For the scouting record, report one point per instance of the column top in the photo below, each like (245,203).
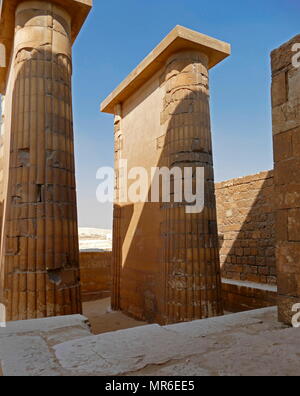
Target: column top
(78,10)
(180,38)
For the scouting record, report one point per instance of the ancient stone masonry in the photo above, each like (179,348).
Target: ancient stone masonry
(286,135)
(95,275)
(246,223)
(39,244)
(190,253)
(166,264)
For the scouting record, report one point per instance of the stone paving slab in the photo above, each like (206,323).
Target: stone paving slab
(135,349)
(26,346)
(248,343)
(201,328)
(273,353)
(27,356)
(127,350)
(44,325)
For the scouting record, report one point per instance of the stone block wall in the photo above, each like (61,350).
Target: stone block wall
(286,136)
(246,228)
(244,296)
(96,278)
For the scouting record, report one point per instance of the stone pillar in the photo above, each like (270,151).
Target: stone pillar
(39,249)
(166,266)
(193,282)
(286,136)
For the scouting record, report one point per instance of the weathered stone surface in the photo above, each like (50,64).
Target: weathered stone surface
(246,220)
(279,89)
(200,328)
(45,325)
(39,268)
(180,37)
(95,275)
(239,296)
(123,351)
(225,346)
(25,346)
(166,263)
(26,356)
(77,9)
(285,94)
(281,58)
(285,306)
(135,349)
(270,354)
(286,123)
(183,345)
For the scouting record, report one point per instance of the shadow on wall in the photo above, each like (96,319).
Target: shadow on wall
(246,223)
(166,262)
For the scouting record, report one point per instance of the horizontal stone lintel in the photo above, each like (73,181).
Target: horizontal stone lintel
(180,38)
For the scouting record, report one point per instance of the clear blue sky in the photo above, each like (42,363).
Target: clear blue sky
(120,33)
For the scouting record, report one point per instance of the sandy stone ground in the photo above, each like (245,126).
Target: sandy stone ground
(103,320)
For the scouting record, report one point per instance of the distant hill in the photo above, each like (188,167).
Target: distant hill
(95,239)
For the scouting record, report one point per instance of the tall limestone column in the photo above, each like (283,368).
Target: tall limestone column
(39,242)
(166,266)
(191,252)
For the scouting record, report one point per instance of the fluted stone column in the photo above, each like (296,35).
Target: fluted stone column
(166,266)
(39,249)
(193,283)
